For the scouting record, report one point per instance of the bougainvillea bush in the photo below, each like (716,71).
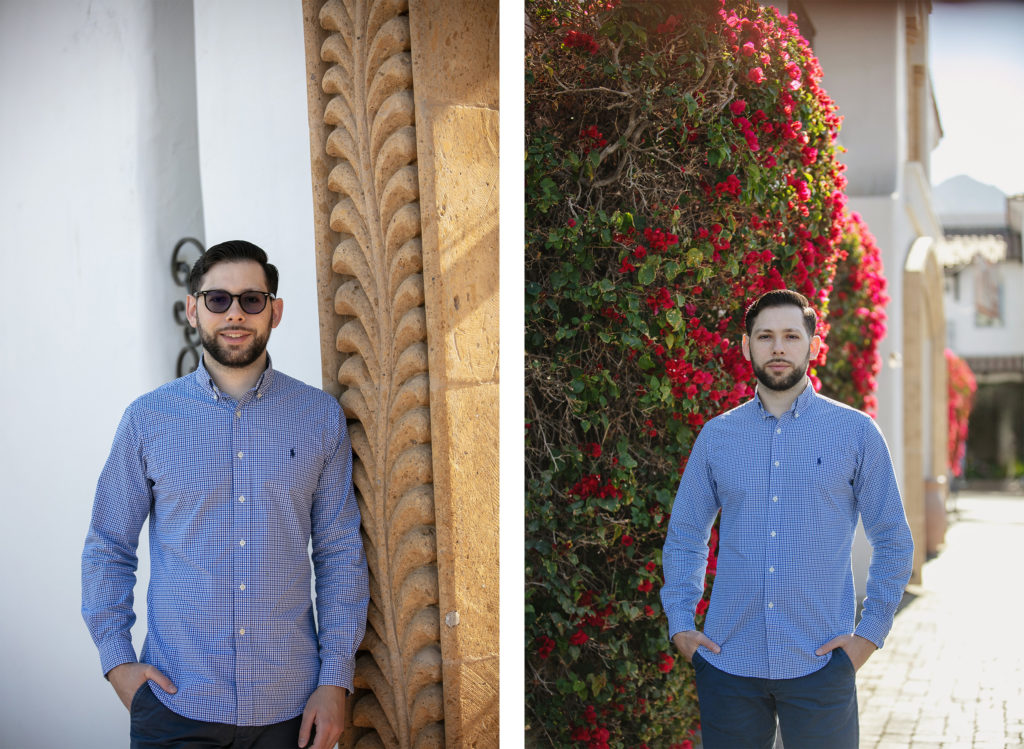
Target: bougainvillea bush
(962,386)
(857,320)
(680,161)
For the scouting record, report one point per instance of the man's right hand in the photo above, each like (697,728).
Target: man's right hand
(128,677)
(688,642)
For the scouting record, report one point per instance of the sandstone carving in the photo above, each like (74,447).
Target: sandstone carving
(374,209)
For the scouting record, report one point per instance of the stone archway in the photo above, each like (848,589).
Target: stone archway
(925,399)
(403,111)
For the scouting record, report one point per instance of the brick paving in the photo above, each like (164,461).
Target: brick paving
(952,670)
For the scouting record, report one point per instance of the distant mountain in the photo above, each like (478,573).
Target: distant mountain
(963,202)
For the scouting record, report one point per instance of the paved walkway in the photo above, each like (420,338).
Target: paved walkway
(952,670)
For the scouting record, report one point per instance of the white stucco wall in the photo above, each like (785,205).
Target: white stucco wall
(101,175)
(254,155)
(963,334)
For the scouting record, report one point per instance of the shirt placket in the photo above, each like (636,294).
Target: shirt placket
(244,548)
(775,499)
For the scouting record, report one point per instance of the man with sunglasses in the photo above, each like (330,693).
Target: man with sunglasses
(237,467)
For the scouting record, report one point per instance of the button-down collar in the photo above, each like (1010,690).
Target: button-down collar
(800,405)
(205,381)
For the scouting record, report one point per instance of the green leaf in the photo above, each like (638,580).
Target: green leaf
(648,270)
(675,318)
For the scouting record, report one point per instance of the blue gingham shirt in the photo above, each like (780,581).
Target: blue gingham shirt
(790,490)
(234,491)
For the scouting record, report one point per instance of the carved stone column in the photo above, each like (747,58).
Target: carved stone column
(403,132)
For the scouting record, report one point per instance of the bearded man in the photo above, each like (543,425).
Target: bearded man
(237,467)
(790,471)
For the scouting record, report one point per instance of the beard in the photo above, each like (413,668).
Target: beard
(784,381)
(234,357)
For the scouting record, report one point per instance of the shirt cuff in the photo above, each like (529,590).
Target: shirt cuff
(677,624)
(337,674)
(116,652)
(873,630)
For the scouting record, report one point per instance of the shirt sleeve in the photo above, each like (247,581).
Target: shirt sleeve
(885,524)
(109,560)
(685,556)
(342,580)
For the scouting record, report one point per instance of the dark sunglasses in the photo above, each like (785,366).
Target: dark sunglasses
(251,302)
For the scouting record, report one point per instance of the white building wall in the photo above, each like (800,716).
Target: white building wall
(254,155)
(99,158)
(963,334)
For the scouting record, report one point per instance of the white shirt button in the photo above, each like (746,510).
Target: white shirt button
(776,462)
(775,499)
(778,430)
(796,415)
(242,630)
(773,535)
(770,569)
(241,499)
(238,413)
(770,605)
(240,454)
(242,542)
(242,586)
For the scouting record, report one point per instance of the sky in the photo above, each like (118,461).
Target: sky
(976,54)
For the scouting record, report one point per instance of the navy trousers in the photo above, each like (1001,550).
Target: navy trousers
(814,711)
(154,726)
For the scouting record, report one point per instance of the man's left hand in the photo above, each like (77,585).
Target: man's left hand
(326,710)
(858,648)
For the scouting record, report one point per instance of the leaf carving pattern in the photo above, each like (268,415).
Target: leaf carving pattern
(383,334)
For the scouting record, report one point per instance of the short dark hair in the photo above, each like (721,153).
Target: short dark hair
(232,251)
(782,298)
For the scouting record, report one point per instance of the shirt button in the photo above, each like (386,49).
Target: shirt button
(238,413)
(770,569)
(240,454)
(796,415)
(242,630)
(773,536)
(776,462)
(775,499)
(242,542)
(778,431)
(770,605)
(242,586)
(259,395)
(241,499)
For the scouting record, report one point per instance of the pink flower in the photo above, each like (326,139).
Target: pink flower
(755,75)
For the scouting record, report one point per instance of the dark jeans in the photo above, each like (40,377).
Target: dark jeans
(154,726)
(814,711)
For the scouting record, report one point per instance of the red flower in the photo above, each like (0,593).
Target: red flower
(667,662)
(648,610)
(578,637)
(627,540)
(645,586)
(546,646)
(650,566)
(579,40)
(702,606)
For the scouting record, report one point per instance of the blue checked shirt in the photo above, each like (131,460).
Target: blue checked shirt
(234,491)
(790,490)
